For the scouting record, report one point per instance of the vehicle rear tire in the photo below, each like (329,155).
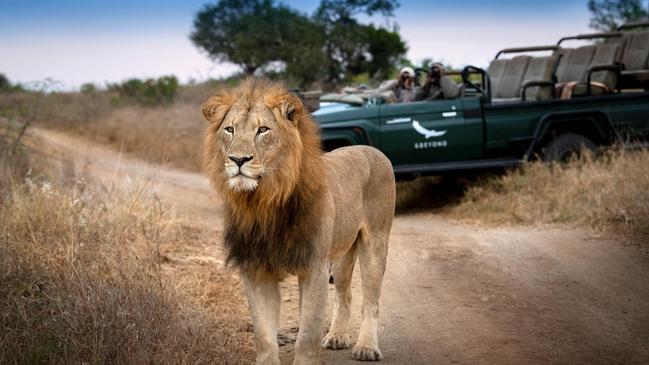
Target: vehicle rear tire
(566,146)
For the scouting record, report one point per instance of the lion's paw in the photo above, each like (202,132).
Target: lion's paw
(366,353)
(336,341)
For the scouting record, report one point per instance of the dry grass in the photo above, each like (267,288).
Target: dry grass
(169,134)
(14,161)
(609,193)
(84,281)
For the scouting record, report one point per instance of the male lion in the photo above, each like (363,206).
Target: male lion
(292,210)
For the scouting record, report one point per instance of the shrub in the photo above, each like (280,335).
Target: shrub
(148,92)
(88,88)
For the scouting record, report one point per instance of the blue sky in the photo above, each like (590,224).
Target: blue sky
(95,41)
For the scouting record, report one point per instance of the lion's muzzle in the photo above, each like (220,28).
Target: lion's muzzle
(242,172)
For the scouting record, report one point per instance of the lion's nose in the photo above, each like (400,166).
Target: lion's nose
(240,160)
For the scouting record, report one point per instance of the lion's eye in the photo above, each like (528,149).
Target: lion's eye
(229,129)
(262,130)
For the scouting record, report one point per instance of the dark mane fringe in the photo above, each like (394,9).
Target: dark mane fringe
(275,250)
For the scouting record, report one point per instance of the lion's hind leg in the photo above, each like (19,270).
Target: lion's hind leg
(372,252)
(342,269)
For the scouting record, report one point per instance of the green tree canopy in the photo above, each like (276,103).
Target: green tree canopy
(330,46)
(354,48)
(244,32)
(5,84)
(607,15)
(335,11)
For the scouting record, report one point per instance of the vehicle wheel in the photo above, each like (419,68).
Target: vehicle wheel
(566,146)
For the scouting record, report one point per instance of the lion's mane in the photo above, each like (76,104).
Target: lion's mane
(269,231)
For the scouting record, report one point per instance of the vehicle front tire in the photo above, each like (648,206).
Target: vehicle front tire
(566,146)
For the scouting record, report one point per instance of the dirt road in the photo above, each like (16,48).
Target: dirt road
(454,293)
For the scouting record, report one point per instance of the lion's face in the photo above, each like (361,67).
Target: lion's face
(254,142)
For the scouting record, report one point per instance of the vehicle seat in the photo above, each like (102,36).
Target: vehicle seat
(496,71)
(575,64)
(573,67)
(562,55)
(461,90)
(510,84)
(636,61)
(540,70)
(606,58)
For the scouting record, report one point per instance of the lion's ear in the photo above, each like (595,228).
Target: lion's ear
(215,108)
(292,107)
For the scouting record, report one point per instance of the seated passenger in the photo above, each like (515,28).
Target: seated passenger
(401,90)
(437,85)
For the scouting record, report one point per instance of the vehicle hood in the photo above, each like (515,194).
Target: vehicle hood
(331,107)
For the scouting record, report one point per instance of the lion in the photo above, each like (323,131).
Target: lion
(292,210)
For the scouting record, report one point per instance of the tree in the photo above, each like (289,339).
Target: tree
(386,48)
(607,15)
(247,33)
(354,48)
(330,45)
(337,11)
(5,84)
(302,50)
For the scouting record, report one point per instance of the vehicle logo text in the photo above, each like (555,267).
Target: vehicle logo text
(430,144)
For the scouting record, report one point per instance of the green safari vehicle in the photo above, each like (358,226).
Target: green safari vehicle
(521,107)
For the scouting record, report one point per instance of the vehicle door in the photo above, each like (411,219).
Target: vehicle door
(427,132)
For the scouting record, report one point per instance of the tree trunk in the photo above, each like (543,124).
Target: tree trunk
(249,69)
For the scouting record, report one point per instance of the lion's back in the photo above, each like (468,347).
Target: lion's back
(360,172)
(359,163)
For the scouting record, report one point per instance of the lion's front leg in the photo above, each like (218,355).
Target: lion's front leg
(313,301)
(264,299)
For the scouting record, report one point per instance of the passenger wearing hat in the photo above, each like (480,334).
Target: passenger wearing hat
(437,85)
(403,89)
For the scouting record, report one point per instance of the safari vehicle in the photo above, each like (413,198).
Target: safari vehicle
(519,108)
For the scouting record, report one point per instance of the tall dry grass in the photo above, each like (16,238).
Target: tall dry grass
(84,280)
(169,133)
(83,283)
(610,192)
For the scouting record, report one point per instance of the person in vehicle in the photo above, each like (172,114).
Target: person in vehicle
(437,85)
(401,90)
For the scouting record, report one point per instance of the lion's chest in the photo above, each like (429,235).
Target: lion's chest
(279,245)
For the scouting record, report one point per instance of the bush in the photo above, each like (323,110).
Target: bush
(148,92)
(88,88)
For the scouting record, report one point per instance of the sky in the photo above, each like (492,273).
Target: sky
(74,41)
